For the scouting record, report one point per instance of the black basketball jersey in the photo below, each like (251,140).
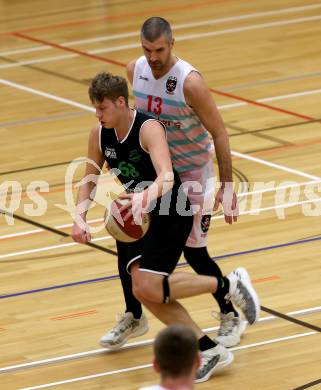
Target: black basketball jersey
(133,165)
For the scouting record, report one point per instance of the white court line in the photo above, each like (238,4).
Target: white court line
(288,96)
(179,38)
(247,212)
(89,377)
(39,61)
(306,183)
(46,95)
(88,108)
(273,165)
(71,43)
(240,194)
(249,28)
(34,231)
(123,370)
(137,344)
(25,233)
(49,248)
(174,27)
(272,98)
(263,209)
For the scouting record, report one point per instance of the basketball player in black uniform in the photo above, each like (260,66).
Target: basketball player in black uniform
(123,134)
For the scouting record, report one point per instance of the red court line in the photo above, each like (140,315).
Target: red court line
(261,104)
(110,61)
(69,49)
(268,279)
(148,12)
(74,315)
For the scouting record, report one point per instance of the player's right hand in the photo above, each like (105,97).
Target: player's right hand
(137,205)
(81,234)
(228,199)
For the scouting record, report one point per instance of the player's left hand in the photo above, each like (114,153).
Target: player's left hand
(227,197)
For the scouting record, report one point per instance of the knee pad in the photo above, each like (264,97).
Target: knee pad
(166,291)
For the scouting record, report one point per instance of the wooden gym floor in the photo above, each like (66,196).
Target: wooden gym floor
(262,62)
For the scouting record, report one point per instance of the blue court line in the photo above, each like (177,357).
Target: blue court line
(112,277)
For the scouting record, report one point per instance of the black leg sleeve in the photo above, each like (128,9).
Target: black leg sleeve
(132,304)
(202,264)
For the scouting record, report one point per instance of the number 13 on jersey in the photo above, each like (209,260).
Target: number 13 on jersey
(154,104)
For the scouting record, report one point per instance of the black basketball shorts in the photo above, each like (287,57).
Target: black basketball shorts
(160,249)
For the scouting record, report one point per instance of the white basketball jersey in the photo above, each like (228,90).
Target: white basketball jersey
(189,142)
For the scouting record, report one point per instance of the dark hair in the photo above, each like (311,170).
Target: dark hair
(175,350)
(109,86)
(154,27)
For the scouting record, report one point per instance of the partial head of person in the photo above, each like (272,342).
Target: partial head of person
(109,96)
(176,356)
(157,42)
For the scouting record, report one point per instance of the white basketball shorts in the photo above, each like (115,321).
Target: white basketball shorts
(200,184)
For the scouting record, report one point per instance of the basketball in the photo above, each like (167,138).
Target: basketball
(125,231)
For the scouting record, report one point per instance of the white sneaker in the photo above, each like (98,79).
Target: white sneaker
(243,295)
(212,361)
(231,329)
(126,327)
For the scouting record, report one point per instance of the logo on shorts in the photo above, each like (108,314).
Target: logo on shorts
(205,223)
(171,85)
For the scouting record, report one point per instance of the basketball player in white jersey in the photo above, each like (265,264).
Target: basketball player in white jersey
(172,91)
